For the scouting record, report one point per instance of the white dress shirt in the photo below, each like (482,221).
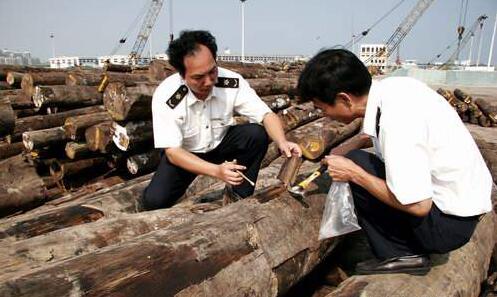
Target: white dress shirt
(200,125)
(427,150)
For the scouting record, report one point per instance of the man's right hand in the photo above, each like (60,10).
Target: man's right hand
(227,173)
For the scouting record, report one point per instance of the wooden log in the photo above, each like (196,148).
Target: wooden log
(66,96)
(117,67)
(476,116)
(298,115)
(158,70)
(5,86)
(18,100)
(95,78)
(108,202)
(41,138)
(486,139)
(10,149)
(219,251)
(460,106)
(77,150)
(20,185)
(40,122)
(75,126)
(316,138)
(488,109)
(14,78)
(59,169)
(130,103)
(143,163)
(4,69)
(132,135)
(7,119)
(99,137)
(31,80)
(26,112)
(461,275)
(267,86)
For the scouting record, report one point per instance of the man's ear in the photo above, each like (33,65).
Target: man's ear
(345,98)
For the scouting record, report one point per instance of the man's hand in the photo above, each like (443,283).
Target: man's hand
(289,148)
(341,169)
(227,172)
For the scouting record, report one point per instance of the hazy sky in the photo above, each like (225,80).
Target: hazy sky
(93,27)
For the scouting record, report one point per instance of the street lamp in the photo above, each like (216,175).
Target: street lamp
(243,30)
(53,44)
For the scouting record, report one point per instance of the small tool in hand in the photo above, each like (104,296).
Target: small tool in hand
(298,191)
(243,175)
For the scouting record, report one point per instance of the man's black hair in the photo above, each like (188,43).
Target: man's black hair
(187,44)
(330,72)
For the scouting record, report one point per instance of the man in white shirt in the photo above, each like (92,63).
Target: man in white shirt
(427,184)
(192,113)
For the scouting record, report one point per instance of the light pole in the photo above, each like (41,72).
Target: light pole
(53,44)
(492,43)
(243,30)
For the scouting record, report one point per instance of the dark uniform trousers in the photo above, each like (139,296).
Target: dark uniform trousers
(246,143)
(394,233)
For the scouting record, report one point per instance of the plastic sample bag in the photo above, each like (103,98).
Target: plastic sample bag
(339,216)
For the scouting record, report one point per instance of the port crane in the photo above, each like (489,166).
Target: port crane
(402,30)
(464,40)
(154,8)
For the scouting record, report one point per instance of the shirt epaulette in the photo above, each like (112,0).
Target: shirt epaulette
(176,98)
(227,82)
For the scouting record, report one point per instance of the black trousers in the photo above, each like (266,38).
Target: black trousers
(394,233)
(246,143)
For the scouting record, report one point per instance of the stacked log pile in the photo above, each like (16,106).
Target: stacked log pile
(77,156)
(113,129)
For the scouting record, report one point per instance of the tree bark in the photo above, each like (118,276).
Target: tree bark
(14,78)
(18,99)
(268,86)
(39,122)
(75,126)
(486,139)
(143,163)
(259,246)
(10,149)
(41,138)
(87,208)
(298,115)
(488,109)
(20,185)
(31,80)
(99,137)
(476,116)
(95,78)
(315,138)
(59,169)
(76,150)
(7,119)
(130,103)
(117,68)
(160,70)
(132,135)
(66,96)
(461,275)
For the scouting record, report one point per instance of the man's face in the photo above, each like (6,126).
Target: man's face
(340,111)
(200,72)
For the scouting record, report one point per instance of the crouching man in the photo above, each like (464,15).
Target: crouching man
(193,122)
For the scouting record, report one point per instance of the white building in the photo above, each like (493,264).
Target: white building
(122,60)
(374,55)
(68,62)
(260,58)
(17,58)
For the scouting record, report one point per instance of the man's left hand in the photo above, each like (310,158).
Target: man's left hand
(289,148)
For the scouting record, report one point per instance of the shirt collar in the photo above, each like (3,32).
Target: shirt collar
(374,101)
(191,99)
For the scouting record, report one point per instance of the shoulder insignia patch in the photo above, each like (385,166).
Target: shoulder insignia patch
(176,98)
(227,82)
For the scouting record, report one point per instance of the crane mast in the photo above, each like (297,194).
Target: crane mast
(146,28)
(403,29)
(462,43)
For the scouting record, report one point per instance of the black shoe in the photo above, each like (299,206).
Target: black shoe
(416,264)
